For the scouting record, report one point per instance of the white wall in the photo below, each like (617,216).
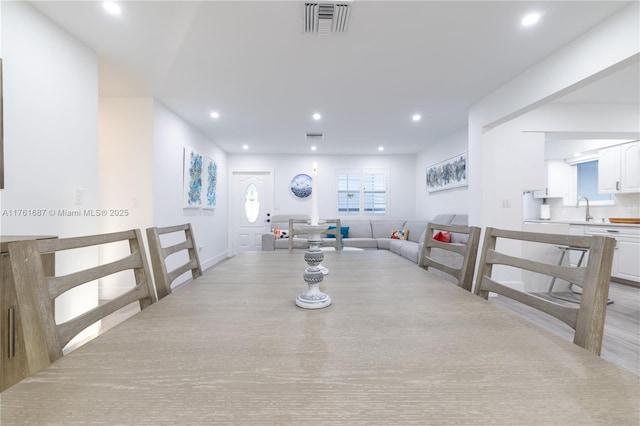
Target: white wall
(430,204)
(51,122)
(170,135)
(122,154)
(126,171)
(141,161)
(497,146)
(401,172)
(126,190)
(50,137)
(569,68)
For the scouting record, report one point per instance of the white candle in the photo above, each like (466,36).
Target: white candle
(314,195)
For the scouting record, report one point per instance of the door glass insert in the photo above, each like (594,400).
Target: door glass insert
(251,203)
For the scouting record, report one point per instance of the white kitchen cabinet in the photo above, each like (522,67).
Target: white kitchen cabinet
(630,167)
(619,168)
(626,258)
(557,176)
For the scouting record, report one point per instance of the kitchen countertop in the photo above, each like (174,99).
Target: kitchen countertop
(582,222)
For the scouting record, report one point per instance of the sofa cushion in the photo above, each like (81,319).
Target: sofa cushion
(383,243)
(363,243)
(396,246)
(384,228)
(268,242)
(410,251)
(281,243)
(443,219)
(460,220)
(280,225)
(358,228)
(416,229)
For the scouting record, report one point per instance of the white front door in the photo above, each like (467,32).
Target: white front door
(252,202)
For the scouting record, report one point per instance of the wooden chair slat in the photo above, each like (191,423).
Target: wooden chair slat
(539,237)
(68,330)
(163,277)
(588,319)
(452,247)
(169,250)
(59,285)
(572,275)
(189,266)
(36,293)
(468,251)
(430,263)
(49,245)
(566,314)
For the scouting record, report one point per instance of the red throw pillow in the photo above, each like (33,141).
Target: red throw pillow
(444,237)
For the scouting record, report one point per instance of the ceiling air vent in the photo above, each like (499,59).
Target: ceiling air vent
(314,136)
(326,18)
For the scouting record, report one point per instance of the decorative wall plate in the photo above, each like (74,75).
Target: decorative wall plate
(301,186)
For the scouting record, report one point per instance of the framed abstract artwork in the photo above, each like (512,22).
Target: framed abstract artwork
(210,184)
(192,178)
(450,173)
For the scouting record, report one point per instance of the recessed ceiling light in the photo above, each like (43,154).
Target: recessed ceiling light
(111,7)
(313,148)
(245,147)
(530,19)
(316,116)
(215,114)
(416,117)
(381,148)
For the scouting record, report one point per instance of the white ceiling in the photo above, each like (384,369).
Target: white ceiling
(251,62)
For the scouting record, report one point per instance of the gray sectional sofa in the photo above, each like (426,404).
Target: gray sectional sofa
(376,234)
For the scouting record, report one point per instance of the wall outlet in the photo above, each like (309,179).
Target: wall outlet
(78,196)
(506,204)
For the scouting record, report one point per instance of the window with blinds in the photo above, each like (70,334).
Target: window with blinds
(362,193)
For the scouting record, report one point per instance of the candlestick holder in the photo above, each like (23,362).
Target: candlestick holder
(313,298)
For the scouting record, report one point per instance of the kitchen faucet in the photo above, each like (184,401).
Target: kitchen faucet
(587,216)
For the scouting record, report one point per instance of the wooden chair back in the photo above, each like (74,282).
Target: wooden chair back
(36,292)
(588,318)
(303,243)
(164,277)
(468,251)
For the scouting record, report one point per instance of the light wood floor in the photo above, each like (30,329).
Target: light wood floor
(621,343)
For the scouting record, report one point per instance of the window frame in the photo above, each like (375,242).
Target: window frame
(573,186)
(363,193)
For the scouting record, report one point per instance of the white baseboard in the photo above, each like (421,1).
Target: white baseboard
(210,263)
